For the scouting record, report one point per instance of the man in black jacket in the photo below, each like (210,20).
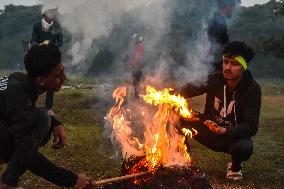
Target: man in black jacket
(232,109)
(24,127)
(48,30)
(217,31)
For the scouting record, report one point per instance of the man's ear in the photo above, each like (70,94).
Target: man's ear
(41,81)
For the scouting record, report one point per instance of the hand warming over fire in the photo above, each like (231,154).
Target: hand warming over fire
(212,126)
(193,118)
(59,137)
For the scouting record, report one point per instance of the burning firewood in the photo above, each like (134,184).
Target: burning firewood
(162,153)
(186,177)
(177,177)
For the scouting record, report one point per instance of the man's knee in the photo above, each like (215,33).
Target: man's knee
(242,149)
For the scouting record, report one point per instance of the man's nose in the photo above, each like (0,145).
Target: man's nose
(228,66)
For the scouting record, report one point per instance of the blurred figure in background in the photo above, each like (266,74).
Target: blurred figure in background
(136,62)
(48,30)
(218,32)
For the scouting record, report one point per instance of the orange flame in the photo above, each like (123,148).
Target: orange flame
(163,145)
(177,102)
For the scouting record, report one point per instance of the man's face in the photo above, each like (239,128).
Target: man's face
(229,9)
(55,79)
(232,69)
(48,19)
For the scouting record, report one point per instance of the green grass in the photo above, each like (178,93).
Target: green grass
(82,111)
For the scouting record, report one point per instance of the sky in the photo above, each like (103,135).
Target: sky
(32,2)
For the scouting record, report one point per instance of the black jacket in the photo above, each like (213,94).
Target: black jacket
(241,115)
(18,96)
(54,35)
(218,37)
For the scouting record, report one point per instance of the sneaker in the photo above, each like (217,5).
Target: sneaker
(233,175)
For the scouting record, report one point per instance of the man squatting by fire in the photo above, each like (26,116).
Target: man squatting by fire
(232,108)
(25,127)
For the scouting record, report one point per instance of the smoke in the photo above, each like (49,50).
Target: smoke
(96,24)
(174,32)
(88,20)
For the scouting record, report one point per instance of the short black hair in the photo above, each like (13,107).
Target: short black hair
(238,48)
(41,59)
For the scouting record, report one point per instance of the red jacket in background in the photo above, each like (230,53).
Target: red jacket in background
(137,55)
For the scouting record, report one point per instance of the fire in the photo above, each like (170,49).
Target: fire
(162,143)
(177,102)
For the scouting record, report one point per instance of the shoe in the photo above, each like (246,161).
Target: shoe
(233,175)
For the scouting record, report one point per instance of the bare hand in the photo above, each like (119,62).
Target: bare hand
(59,137)
(212,126)
(193,118)
(83,182)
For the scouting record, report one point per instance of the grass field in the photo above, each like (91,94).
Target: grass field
(88,151)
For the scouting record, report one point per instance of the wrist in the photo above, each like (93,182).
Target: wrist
(223,131)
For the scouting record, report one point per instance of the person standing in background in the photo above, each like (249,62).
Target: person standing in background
(217,31)
(48,30)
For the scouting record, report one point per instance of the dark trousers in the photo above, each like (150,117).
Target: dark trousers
(240,148)
(137,75)
(49,99)
(41,133)
(6,144)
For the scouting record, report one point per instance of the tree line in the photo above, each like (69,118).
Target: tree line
(261,26)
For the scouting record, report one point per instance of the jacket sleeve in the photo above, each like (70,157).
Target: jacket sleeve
(217,33)
(59,37)
(39,165)
(249,126)
(55,122)
(44,168)
(35,35)
(190,90)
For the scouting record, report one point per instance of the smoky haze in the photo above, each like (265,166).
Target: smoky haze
(170,29)
(174,32)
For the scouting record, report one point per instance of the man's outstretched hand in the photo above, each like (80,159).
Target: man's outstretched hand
(83,182)
(212,126)
(59,137)
(193,118)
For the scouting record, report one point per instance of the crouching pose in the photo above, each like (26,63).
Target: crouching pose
(232,109)
(25,127)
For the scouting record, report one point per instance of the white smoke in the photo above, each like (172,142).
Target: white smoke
(87,20)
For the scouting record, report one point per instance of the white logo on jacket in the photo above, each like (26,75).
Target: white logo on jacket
(3,83)
(222,111)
